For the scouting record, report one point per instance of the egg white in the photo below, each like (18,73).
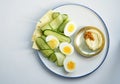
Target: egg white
(66,32)
(66,61)
(64,44)
(51,37)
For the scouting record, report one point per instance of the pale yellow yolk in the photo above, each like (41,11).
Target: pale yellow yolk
(67,50)
(52,43)
(71,28)
(71,65)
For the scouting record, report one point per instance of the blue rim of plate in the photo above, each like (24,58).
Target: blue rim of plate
(107,33)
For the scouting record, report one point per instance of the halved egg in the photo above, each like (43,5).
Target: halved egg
(52,41)
(66,48)
(69,64)
(69,29)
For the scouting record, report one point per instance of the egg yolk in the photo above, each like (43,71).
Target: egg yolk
(71,65)
(67,50)
(52,43)
(71,28)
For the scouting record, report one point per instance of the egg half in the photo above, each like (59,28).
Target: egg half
(52,41)
(69,64)
(69,29)
(66,48)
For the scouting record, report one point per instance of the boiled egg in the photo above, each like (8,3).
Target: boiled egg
(69,29)
(52,41)
(66,48)
(69,64)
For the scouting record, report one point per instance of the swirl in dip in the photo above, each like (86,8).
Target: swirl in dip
(89,41)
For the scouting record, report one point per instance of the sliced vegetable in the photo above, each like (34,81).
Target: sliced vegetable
(43,37)
(46,18)
(56,22)
(60,58)
(43,21)
(61,37)
(47,53)
(62,26)
(47,26)
(42,44)
(52,57)
(65,16)
(50,24)
(55,14)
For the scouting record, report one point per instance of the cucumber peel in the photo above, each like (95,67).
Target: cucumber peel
(47,26)
(47,53)
(42,44)
(60,58)
(52,57)
(61,37)
(62,26)
(55,23)
(55,14)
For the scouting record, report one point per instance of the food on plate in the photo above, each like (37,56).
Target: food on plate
(37,33)
(89,41)
(61,37)
(69,29)
(66,48)
(60,58)
(52,41)
(69,64)
(52,57)
(93,39)
(58,22)
(47,53)
(52,37)
(62,27)
(42,45)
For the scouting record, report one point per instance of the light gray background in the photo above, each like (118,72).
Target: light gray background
(18,62)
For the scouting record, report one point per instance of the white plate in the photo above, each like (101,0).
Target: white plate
(82,16)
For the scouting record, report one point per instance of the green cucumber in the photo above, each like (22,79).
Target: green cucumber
(47,26)
(47,53)
(55,14)
(52,57)
(61,37)
(55,23)
(60,58)
(42,44)
(65,16)
(43,37)
(62,26)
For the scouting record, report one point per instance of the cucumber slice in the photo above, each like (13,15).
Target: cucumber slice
(56,22)
(55,14)
(46,18)
(43,37)
(65,16)
(60,58)
(61,37)
(52,57)
(42,44)
(47,53)
(43,21)
(62,26)
(47,26)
